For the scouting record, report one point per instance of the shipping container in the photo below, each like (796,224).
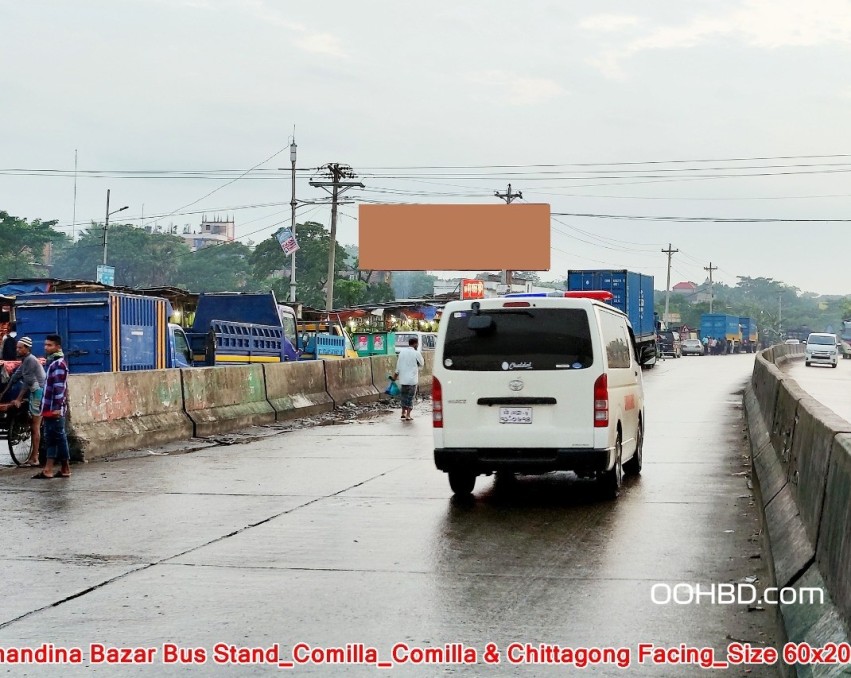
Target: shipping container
(721,326)
(632,293)
(100,331)
(750,335)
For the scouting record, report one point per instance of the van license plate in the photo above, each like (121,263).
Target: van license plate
(515,415)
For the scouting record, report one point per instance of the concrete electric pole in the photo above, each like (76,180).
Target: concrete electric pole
(508,196)
(337,174)
(670,253)
(106,223)
(710,268)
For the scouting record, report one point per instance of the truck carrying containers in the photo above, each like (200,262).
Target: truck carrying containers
(750,334)
(721,326)
(632,293)
(104,331)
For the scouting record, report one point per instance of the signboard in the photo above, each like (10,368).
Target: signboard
(106,275)
(472,289)
(287,241)
(513,237)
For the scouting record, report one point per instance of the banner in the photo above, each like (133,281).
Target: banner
(287,241)
(106,275)
(472,289)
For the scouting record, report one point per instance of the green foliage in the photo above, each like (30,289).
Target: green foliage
(141,259)
(270,266)
(413,284)
(217,268)
(349,292)
(23,245)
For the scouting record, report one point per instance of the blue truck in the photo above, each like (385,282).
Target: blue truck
(750,335)
(236,328)
(241,327)
(722,326)
(632,293)
(105,331)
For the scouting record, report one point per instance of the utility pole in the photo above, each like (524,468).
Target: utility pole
(340,181)
(669,252)
(293,148)
(780,314)
(74,213)
(106,223)
(711,289)
(508,196)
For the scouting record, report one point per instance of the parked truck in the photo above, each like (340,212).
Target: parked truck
(632,293)
(722,326)
(750,335)
(105,331)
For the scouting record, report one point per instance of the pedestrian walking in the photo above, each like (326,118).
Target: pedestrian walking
(53,410)
(407,375)
(32,377)
(705,345)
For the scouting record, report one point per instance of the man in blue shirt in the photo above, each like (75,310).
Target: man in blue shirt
(53,410)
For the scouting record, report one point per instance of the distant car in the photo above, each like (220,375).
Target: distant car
(669,344)
(792,342)
(692,347)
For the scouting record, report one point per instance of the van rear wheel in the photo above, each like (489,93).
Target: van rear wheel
(611,480)
(633,466)
(462,482)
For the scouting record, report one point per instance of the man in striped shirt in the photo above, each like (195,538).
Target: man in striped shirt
(53,408)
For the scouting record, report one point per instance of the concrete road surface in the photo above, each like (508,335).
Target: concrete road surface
(347,535)
(829,385)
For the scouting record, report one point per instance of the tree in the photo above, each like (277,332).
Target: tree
(141,259)
(24,246)
(413,284)
(270,266)
(349,292)
(217,268)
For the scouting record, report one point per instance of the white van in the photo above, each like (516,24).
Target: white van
(822,349)
(537,384)
(427,340)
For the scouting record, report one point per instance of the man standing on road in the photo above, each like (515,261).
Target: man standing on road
(53,408)
(408,366)
(31,373)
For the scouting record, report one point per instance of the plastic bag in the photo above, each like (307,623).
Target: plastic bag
(392,388)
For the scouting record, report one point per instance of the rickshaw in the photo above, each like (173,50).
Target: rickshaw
(15,424)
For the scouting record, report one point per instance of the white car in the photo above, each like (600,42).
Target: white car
(537,384)
(692,347)
(822,349)
(792,342)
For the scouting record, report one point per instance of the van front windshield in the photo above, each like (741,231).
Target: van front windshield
(822,341)
(520,339)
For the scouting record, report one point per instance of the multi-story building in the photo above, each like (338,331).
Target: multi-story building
(213,231)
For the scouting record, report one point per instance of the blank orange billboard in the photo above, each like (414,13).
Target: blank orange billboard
(454,237)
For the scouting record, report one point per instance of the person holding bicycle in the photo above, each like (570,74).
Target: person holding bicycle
(32,374)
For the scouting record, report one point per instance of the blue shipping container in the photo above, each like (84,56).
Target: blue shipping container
(720,325)
(632,293)
(101,331)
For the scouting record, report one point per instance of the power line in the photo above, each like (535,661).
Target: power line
(732,220)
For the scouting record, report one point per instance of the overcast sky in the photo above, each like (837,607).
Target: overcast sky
(566,92)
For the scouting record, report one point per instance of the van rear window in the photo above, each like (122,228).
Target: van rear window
(520,339)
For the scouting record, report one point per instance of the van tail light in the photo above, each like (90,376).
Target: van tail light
(601,402)
(436,403)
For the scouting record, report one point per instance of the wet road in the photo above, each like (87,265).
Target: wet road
(828,385)
(347,534)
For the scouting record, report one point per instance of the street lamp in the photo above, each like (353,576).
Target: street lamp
(106,223)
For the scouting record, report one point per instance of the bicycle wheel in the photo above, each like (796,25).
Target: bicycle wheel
(20,437)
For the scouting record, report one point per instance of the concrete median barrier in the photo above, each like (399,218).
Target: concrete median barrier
(297,389)
(350,381)
(785,418)
(766,379)
(223,399)
(791,549)
(834,542)
(115,411)
(382,366)
(809,461)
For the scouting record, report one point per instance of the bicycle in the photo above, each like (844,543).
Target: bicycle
(16,429)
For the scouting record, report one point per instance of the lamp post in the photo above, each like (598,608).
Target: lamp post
(106,223)
(292,220)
